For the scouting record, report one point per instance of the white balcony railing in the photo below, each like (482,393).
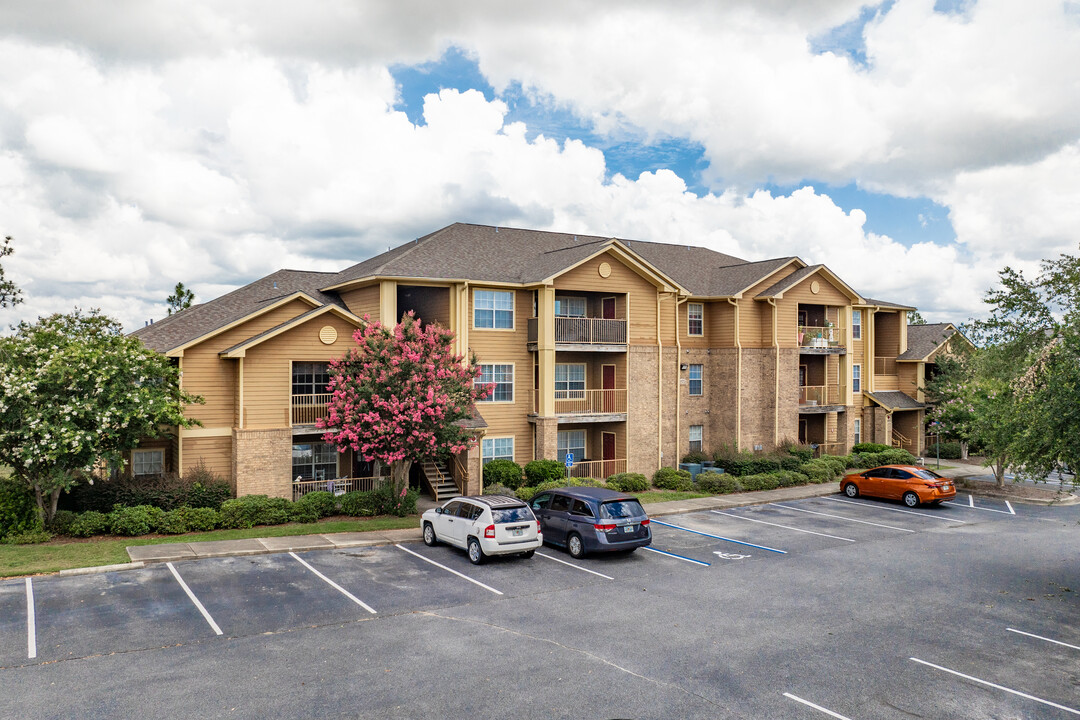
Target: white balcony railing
(306,409)
(584,331)
(586,402)
(813,336)
(810,395)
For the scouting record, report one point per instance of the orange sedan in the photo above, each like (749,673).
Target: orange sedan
(909,483)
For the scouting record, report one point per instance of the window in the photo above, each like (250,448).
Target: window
(695,379)
(695,319)
(580,507)
(572,441)
(695,438)
(570,306)
(569,382)
(858,432)
(147,462)
(856,324)
(310,378)
(856,378)
(493,309)
(500,448)
(503,377)
(314,461)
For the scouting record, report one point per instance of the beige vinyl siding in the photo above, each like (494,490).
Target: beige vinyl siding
(788,318)
(214,452)
(362,301)
(268,368)
(502,347)
(887,334)
(206,374)
(755,316)
(908,378)
(720,324)
(624,283)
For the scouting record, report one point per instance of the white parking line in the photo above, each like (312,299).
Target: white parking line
(334,585)
(451,570)
(194,599)
(719,537)
(830,713)
(677,557)
(549,557)
(841,517)
(886,507)
(786,527)
(31,622)
(997,687)
(971,506)
(1040,637)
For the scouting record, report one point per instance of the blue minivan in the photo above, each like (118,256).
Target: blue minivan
(588,519)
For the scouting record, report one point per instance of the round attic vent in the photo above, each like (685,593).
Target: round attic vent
(814,287)
(328,334)
(604,270)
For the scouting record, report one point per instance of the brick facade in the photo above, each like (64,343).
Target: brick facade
(262,462)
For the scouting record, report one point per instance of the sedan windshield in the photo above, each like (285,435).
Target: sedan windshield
(621,509)
(514,514)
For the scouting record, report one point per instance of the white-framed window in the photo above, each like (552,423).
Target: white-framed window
(572,441)
(314,461)
(856,378)
(569,382)
(856,324)
(696,385)
(695,438)
(858,432)
(147,462)
(570,307)
(496,448)
(310,378)
(503,377)
(695,318)
(493,309)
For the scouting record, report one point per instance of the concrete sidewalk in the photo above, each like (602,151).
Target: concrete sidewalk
(169,552)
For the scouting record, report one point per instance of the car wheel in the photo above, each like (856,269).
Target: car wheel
(911,499)
(528,553)
(476,553)
(851,490)
(429,535)
(575,546)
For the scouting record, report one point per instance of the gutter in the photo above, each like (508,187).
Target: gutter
(678,376)
(738,376)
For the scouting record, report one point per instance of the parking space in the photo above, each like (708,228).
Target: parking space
(13,623)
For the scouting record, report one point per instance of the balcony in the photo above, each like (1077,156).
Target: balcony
(821,340)
(306,409)
(584,333)
(576,406)
(597,468)
(884,366)
(821,398)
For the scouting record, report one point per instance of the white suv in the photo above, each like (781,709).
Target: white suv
(484,525)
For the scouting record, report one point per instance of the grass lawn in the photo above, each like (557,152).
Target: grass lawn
(655,496)
(64,553)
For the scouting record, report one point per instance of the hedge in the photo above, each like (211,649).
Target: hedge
(667,478)
(200,487)
(18,509)
(539,471)
(718,483)
(503,472)
(949,451)
(628,482)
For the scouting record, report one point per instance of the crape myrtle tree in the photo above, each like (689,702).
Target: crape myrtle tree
(76,391)
(397,396)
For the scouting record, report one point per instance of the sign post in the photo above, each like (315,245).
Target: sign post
(569,463)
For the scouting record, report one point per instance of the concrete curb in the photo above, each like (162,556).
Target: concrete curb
(103,569)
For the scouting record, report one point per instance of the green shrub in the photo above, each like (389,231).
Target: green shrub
(503,472)
(18,509)
(948,451)
(818,470)
(132,521)
(667,478)
(889,456)
(497,489)
(90,523)
(761,481)
(359,503)
(201,519)
(323,503)
(628,482)
(539,471)
(748,463)
(62,522)
(28,538)
(791,463)
(303,513)
(399,503)
(696,457)
(867,447)
(566,482)
(718,483)
(199,487)
(522,493)
(838,463)
(803,452)
(251,510)
(173,522)
(790,478)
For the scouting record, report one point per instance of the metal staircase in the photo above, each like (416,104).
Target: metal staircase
(440,481)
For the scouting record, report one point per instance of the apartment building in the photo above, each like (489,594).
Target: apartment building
(624,354)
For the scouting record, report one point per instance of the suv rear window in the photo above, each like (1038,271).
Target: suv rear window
(509,515)
(619,509)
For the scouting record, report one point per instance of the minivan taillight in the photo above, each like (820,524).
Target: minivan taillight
(489,531)
(605,527)
(644,522)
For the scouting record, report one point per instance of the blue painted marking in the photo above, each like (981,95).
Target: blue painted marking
(718,537)
(681,557)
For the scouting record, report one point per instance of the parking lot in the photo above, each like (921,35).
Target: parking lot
(826,607)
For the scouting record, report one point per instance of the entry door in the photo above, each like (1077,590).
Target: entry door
(802,432)
(609,453)
(608,308)
(608,385)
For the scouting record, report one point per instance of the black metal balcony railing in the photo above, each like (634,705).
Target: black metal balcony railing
(584,330)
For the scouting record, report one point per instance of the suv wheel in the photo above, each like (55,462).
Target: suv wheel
(575,546)
(429,535)
(476,553)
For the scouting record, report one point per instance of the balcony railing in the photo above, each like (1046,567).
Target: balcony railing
(810,395)
(813,336)
(884,366)
(584,330)
(339,486)
(306,409)
(586,402)
(597,468)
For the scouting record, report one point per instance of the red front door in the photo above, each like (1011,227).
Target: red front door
(608,308)
(610,402)
(609,454)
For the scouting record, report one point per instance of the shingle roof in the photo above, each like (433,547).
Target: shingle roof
(790,281)
(895,400)
(922,340)
(199,320)
(886,304)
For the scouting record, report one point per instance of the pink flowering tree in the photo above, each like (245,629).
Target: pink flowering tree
(397,396)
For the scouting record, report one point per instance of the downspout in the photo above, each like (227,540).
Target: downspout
(738,375)
(776,375)
(659,388)
(678,376)
(180,428)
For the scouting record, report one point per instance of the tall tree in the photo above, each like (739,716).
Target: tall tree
(74,391)
(914,318)
(10,294)
(181,298)
(397,396)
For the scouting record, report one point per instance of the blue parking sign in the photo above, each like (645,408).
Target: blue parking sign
(569,459)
